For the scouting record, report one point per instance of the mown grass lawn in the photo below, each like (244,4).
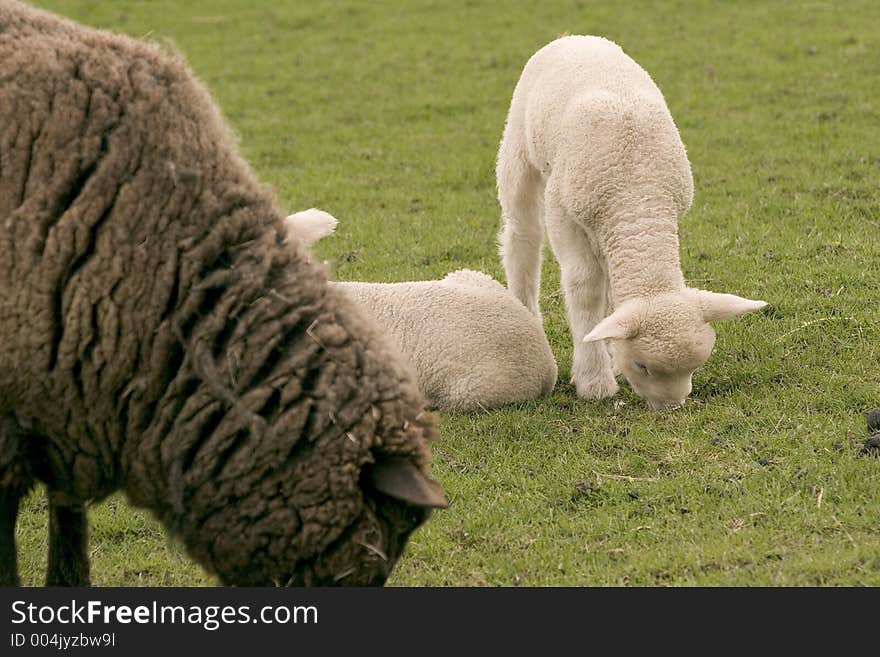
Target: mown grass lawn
(388,115)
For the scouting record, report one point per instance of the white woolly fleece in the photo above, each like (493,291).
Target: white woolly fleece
(591,151)
(472,344)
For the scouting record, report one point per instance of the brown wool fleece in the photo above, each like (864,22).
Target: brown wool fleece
(157,335)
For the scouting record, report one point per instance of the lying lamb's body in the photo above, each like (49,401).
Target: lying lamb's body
(590,146)
(472,344)
(159,335)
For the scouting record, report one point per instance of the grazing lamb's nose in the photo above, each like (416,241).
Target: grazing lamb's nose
(664,404)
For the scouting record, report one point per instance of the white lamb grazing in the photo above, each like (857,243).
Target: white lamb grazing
(472,344)
(591,147)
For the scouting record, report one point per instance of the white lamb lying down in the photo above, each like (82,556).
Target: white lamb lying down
(471,342)
(590,146)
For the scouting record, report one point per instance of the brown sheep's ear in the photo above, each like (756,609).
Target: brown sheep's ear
(403,480)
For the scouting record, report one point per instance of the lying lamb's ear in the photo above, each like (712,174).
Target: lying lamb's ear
(403,480)
(619,325)
(310,225)
(716,306)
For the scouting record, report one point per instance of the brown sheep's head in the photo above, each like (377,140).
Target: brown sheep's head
(344,540)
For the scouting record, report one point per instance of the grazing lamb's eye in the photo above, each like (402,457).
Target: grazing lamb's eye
(642,367)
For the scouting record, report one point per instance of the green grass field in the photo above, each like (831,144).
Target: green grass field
(388,115)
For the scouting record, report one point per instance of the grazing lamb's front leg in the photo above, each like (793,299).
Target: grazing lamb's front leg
(68,563)
(522,236)
(584,284)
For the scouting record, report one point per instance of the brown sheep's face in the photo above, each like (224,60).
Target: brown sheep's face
(396,499)
(367,554)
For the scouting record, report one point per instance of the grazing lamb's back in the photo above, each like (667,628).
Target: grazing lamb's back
(591,151)
(159,335)
(581,90)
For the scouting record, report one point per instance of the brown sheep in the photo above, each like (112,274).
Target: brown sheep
(159,337)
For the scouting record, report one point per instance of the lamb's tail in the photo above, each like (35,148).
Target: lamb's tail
(310,225)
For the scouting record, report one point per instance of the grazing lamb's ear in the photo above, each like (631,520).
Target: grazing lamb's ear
(717,306)
(403,480)
(619,325)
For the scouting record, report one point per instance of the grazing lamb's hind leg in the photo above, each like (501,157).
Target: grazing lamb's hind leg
(584,284)
(520,192)
(68,563)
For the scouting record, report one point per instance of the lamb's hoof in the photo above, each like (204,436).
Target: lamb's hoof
(596,388)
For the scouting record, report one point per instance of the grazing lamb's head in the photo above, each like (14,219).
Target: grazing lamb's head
(657,342)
